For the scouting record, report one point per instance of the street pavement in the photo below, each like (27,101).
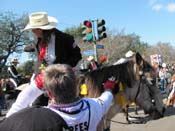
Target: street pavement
(119,123)
(167,123)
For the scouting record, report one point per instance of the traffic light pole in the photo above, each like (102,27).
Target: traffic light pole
(95,51)
(95,47)
(94,30)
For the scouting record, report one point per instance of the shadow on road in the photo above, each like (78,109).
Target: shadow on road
(169,111)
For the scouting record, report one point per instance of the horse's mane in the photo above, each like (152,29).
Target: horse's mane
(122,72)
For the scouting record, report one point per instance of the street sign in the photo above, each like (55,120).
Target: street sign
(88,52)
(100,46)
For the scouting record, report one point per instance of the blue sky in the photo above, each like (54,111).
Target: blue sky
(152,20)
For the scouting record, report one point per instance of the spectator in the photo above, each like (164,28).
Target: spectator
(171,96)
(162,76)
(93,65)
(14,75)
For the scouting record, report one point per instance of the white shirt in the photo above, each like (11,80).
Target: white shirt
(50,49)
(79,121)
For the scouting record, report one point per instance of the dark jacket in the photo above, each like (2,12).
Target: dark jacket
(65,51)
(34,119)
(12,69)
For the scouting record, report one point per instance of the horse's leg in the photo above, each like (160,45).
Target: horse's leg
(158,100)
(113,110)
(104,124)
(101,125)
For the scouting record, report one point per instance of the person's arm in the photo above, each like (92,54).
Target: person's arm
(172,91)
(27,96)
(107,96)
(100,106)
(105,100)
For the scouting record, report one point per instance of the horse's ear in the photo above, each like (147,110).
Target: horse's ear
(139,59)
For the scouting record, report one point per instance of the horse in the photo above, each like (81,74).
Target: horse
(139,85)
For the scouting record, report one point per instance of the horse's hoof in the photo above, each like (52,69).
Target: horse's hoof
(107,129)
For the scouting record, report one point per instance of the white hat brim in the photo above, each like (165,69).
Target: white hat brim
(120,61)
(129,54)
(52,24)
(22,87)
(90,58)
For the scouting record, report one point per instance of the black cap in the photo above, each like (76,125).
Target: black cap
(33,119)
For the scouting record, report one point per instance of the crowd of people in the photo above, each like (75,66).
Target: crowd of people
(166,79)
(58,53)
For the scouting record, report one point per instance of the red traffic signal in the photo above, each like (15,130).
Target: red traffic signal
(87,23)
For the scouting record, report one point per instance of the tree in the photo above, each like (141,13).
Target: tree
(117,44)
(12,38)
(24,68)
(76,31)
(166,50)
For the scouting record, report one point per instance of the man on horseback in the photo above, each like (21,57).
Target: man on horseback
(15,77)
(92,65)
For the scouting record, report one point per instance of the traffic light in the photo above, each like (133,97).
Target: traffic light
(101,29)
(87,31)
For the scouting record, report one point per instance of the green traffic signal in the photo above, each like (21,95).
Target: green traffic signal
(89,37)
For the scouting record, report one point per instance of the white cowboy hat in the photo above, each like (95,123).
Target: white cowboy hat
(15,61)
(129,54)
(164,65)
(41,20)
(120,61)
(90,58)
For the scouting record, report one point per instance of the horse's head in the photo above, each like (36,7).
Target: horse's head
(122,72)
(145,89)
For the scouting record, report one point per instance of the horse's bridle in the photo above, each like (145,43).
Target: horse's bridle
(142,79)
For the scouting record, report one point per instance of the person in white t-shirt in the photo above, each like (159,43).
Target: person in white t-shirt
(79,113)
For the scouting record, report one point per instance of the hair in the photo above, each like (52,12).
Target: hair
(124,73)
(173,78)
(60,81)
(46,35)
